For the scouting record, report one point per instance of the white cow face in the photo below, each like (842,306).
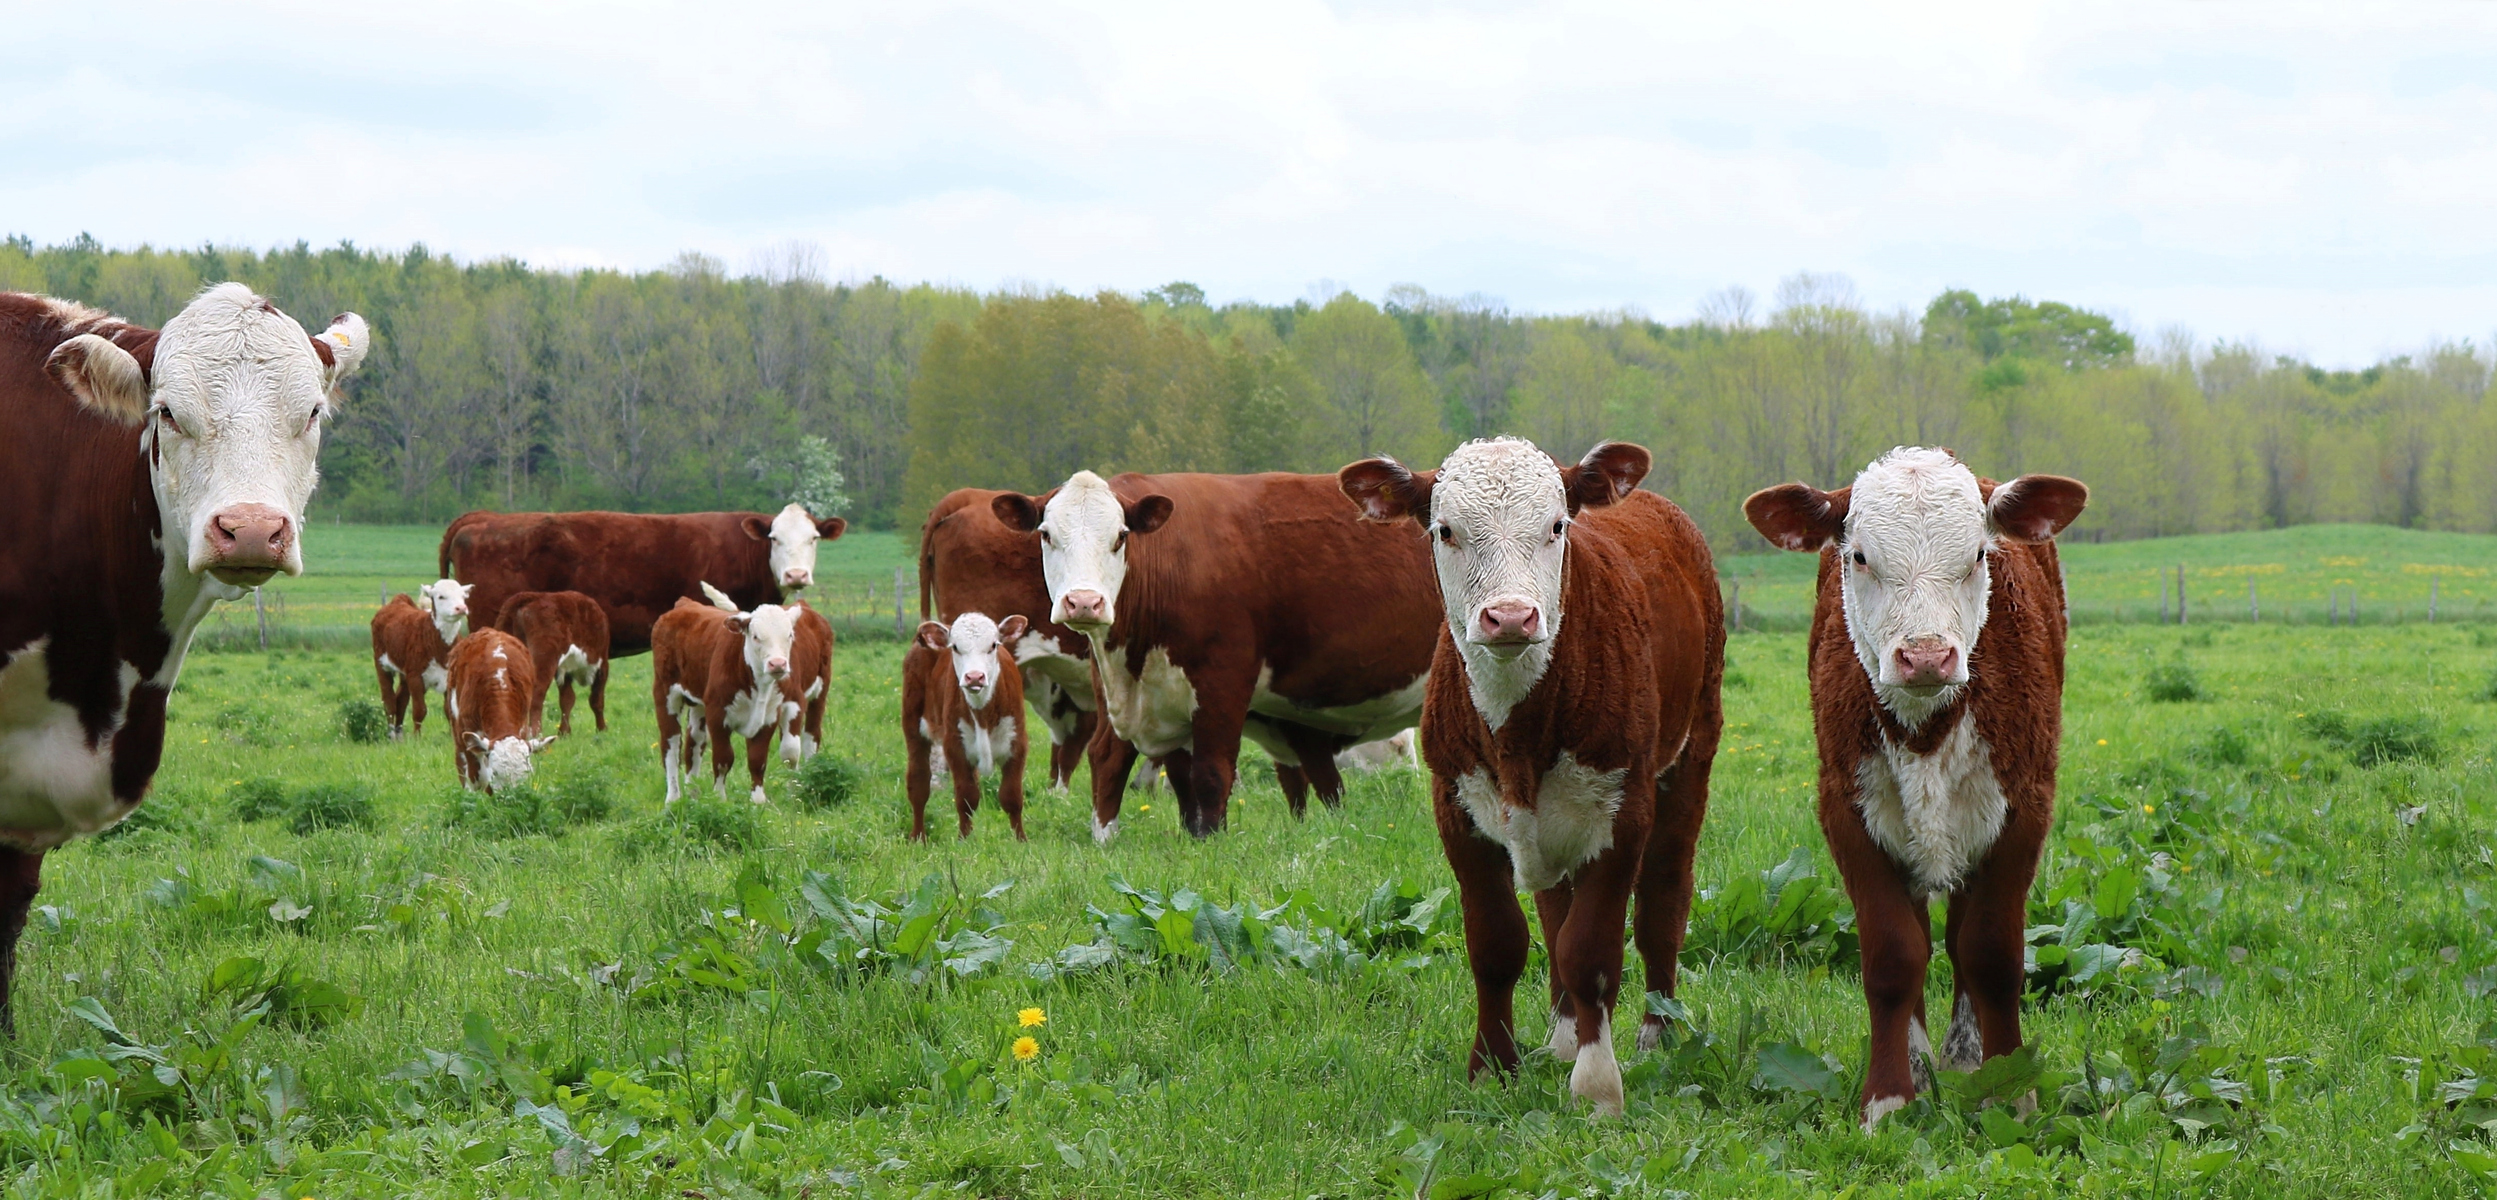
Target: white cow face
(508,761)
(793,536)
(770,632)
(233,429)
(1083,526)
(1913,534)
(1498,514)
(975,641)
(447,600)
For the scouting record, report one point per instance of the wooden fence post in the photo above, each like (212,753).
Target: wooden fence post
(2254,602)
(2433,580)
(1736,603)
(2180,593)
(898,631)
(261,611)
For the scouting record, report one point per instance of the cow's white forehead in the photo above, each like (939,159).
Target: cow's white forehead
(972,633)
(1085,498)
(793,526)
(1925,497)
(771,623)
(1496,475)
(229,335)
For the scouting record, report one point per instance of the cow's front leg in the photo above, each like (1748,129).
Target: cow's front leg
(21,876)
(715,730)
(1112,757)
(1496,940)
(964,767)
(1221,717)
(1586,959)
(758,758)
(1896,938)
(916,771)
(1983,932)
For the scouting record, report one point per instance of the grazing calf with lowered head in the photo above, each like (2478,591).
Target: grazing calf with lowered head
(962,713)
(1937,697)
(1570,725)
(412,641)
(491,685)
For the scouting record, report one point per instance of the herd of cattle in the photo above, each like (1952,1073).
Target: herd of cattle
(1555,633)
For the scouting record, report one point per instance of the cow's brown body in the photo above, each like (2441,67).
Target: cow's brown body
(492,684)
(1292,621)
(2014,700)
(635,565)
(566,633)
(809,684)
(1632,687)
(935,714)
(409,658)
(704,690)
(969,561)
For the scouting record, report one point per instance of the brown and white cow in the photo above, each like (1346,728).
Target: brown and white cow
(803,690)
(412,642)
(152,474)
(962,713)
(1937,698)
(1572,723)
(493,683)
(1224,606)
(969,561)
(714,673)
(635,565)
(566,633)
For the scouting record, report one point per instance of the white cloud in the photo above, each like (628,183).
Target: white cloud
(2313,176)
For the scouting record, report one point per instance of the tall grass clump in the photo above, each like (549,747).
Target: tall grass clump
(2377,740)
(697,822)
(2173,681)
(361,720)
(330,806)
(256,799)
(530,809)
(827,781)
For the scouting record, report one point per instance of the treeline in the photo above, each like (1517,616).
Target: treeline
(493,384)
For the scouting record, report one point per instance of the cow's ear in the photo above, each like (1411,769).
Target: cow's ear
(1386,490)
(1019,512)
(736,624)
(102,376)
(2034,508)
(538,744)
(1605,475)
(831,527)
(425,599)
(1146,514)
(756,528)
(933,634)
(1012,628)
(475,741)
(342,347)
(1798,516)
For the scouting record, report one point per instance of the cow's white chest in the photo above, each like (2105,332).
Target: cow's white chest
(1368,721)
(1040,654)
(1570,822)
(1936,814)
(438,678)
(985,748)
(53,785)
(752,709)
(1154,708)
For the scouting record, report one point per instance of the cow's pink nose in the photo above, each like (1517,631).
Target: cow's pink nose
(1927,662)
(1085,606)
(797,577)
(975,679)
(777,666)
(250,537)
(1511,621)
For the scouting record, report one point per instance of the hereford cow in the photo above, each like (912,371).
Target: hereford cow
(1937,759)
(1223,606)
(566,633)
(492,685)
(802,691)
(969,561)
(635,565)
(412,642)
(1572,722)
(962,709)
(714,673)
(152,475)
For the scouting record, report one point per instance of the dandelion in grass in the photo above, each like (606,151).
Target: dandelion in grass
(1148,808)
(2150,808)
(1030,1017)
(2102,741)
(1026,1048)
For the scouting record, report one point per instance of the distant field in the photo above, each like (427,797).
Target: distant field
(350,568)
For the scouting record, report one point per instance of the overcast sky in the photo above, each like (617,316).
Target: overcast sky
(2319,178)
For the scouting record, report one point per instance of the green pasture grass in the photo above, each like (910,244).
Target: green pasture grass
(423,975)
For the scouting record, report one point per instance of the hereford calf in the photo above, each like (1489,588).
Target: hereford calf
(962,701)
(1570,726)
(491,685)
(803,692)
(566,633)
(1937,762)
(714,673)
(412,642)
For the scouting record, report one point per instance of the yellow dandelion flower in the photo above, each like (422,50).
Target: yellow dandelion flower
(2102,741)
(1026,1048)
(2150,808)
(1148,808)
(1030,1017)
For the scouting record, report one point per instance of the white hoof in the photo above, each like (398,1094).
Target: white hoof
(1101,833)
(760,798)
(1876,1109)
(1597,1077)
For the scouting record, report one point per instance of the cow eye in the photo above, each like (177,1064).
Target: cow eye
(1045,539)
(1559,528)
(1447,535)
(165,415)
(1859,558)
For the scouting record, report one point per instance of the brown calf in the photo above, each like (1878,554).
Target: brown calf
(1570,727)
(491,683)
(412,642)
(962,713)
(566,633)
(1937,762)
(725,669)
(806,688)
(969,561)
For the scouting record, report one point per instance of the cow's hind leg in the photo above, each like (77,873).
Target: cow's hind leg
(598,695)
(1112,758)
(21,876)
(1665,881)
(1295,786)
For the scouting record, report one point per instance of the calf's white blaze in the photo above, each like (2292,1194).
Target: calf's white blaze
(1083,545)
(1912,564)
(1498,527)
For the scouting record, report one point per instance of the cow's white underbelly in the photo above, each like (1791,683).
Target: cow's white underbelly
(1570,823)
(1936,814)
(53,785)
(1154,709)
(1379,717)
